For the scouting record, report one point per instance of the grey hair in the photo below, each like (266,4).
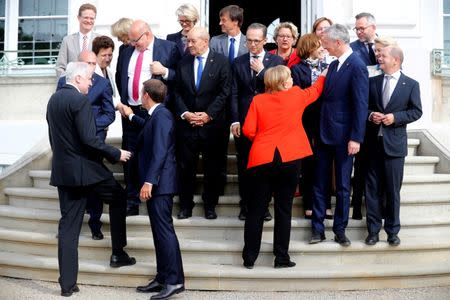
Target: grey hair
(258,26)
(369,17)
(338,32)
(77,68)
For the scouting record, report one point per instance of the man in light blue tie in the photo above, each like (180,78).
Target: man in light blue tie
(203,87)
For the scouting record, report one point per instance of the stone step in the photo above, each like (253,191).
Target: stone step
(41,179)
(420,165)
(236,277)
(117,142)
(227,228)
(420,249)
(413,144)
(417,204)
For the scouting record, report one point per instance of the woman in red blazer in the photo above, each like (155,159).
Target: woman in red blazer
(279,142)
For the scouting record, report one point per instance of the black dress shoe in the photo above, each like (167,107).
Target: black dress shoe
(372,239)
(248,265)
(356,215)
(328,217)
(393,240)
(98,235)
(289,264)
(242,214)
(132,211)
(317,237)
(342,240)
(184,214)
(118,261)
(210,214)
(168,291)
(69,293)
(153,287)
(267,216)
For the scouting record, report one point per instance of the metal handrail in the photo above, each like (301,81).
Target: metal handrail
(11,61)
(440,62)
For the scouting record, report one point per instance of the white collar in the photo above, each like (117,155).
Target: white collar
(152,109)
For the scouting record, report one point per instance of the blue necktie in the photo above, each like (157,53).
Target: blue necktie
(231,51)
(199,71)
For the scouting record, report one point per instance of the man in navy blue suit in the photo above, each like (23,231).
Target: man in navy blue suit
(394,102)
(342,124)
(365,27)
(248,81)
(100,97)
(149,57)
(158,181)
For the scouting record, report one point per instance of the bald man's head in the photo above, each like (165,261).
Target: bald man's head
(88,57)
(198,41)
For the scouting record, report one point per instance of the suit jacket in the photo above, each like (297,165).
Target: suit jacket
(214,88)
(220,44)
(164,51)
(177,38)
(100,98)
(301,76)
(77,151)
(345,99)
(406,107)
(244,86)
(70,50)
(272,122)
(360,49)
(156,152)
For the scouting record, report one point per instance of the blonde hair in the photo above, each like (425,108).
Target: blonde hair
(385,41)
(121,27)
(288,25)
(275,77)
(189,11)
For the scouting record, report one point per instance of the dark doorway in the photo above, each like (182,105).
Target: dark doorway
(255,12)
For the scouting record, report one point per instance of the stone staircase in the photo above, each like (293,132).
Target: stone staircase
(211,249)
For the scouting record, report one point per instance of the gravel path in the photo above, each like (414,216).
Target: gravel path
(19,289)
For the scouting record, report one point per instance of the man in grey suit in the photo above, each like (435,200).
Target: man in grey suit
(394,102)
(72,45)
(231,43)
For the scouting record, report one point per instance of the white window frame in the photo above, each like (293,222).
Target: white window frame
(12,41)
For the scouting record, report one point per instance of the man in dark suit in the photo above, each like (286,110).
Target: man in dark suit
(342,124)
(158,181)
(394,102)
(365,27)
(248,81)
(231,43)
(78,172)
(149,57)
(203,85)
(100,97)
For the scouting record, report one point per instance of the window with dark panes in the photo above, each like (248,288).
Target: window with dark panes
(446,24)
(42,24)
(2,27)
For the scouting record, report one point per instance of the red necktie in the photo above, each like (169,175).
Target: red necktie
(137,76)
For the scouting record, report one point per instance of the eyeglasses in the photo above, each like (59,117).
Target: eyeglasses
(184,21)
(361,29)
(288,37)
(256,42)
(135,41)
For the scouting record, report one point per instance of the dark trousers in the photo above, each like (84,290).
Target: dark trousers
(359,177)
(384,181)
(307,171)
(343,164)
(72,202)
(189,148)
(281,179)
(243,146)
(94,206)
(130,133)
(169,266)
